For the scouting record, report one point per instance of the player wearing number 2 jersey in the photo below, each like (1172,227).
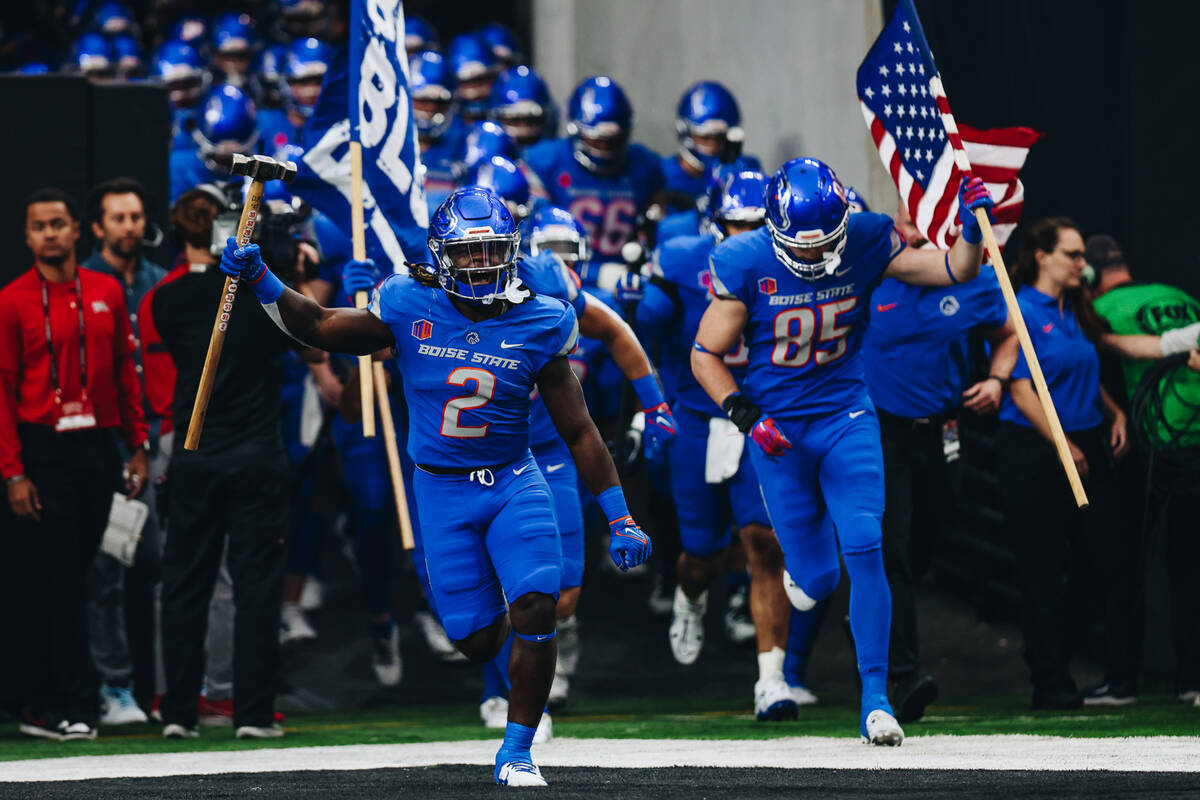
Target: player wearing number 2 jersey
(799,291)
(596,173)
(472,343)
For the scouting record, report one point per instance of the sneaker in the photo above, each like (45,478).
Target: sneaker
(568,645)
(43,725)
(1110,694)
(214,713)
(773,701)
(687,627)
(272,731)
(174,730)
(436,639)
(385,658)
(312,596)
(739,625)
(912,696)
(494,713)
(802,695)
(519,773)
(78,732)
(659,600)
(559,689)
(545,729)
(118,706)
(881,728)
(293,625)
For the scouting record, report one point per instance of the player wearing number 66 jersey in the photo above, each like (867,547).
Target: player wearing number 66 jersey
(472,343)
(799,291)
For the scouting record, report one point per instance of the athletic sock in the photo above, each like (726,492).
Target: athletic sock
(802,633)
(770,664)
(517,740)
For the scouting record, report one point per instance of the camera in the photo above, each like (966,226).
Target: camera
(283,223)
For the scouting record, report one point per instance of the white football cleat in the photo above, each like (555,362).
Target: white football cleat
(545,730)
(568,645)
(802,695)
(519,773)
(559,689)
(687,627)
(312,596)
(385,658)
(739,625)
(436,639)
(293,625)
(494,713)
(883,729)
(773,701)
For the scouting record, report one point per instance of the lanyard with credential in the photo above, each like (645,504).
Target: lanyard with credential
(50,341)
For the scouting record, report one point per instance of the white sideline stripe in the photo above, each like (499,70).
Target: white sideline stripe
(1140,754)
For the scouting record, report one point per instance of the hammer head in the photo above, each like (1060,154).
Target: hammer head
(261,168)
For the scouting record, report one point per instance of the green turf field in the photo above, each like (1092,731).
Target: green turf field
(641,718)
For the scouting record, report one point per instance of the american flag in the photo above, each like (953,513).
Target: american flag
(925,152)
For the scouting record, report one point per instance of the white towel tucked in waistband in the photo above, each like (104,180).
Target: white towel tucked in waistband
(724,453)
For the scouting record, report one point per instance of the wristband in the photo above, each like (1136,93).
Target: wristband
(267,287)
(741,411)
(612,503)
(949,271)
(648,393)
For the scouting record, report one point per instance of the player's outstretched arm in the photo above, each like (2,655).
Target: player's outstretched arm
(338,330)
(961,262)
(563,397)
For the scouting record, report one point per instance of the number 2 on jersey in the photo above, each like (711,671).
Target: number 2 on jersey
(795,349)
(485,387)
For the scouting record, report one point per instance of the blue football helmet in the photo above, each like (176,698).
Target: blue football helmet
(521,104)
(807,209)
(502,41)
(855,201)
(191,29)
(181,69)
(419,35)
(431,83)
(113,17)
(599,123)
(487,139)
(129,55)
(94,56)
(228,124)
(708,112)
(307,62)
(502,176)
(475,67)
(554,229)
(475,242)
(734,195)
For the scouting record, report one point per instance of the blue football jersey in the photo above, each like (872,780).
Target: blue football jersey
(926,329)
(681,223)
(804,336)
(677,179)
(183,123)
(441,161)
(683,263)
(276,130)
(187,171)
(608,206)
(468,384)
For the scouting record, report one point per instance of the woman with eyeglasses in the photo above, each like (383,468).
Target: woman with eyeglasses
(1053,541)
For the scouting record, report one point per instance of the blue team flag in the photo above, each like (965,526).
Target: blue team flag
(365,96)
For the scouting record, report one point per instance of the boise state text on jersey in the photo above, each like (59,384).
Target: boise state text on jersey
(468,383)
(607,206)
(804,335)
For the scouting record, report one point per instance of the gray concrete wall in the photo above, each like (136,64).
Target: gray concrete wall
(790,63)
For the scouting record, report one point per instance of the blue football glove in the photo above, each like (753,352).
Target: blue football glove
(659,430)
(972,194)
(630,288)
(629,545)
(359,276)
(242,262)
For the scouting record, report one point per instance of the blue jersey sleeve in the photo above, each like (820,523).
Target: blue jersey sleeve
(646,166)
(542,158)
(564,336)
(726,270)
(988,306)
(547,275)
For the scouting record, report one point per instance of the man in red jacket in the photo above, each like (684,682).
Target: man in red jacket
(68,386)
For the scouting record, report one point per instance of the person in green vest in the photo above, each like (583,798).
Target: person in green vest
(1149,322)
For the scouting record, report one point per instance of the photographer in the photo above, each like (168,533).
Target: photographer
(234,484)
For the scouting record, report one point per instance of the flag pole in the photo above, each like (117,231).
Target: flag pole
(993,249)
(357,225)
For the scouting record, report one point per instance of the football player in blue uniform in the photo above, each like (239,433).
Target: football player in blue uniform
(419,35)
(484,140)
(522,105)
(504,177)
(798,290)
(181,70)
(503,42)
(304,69)
(234,43)
(472,344)
(708,124)
(440,131)
(712,479)
(94,58)
(597,174)
(475,68)
(227,124)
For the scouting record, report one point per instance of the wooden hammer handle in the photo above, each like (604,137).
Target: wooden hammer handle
(224,310)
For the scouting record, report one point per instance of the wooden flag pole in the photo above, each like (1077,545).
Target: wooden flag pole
(358,231)
(393,457)
(1035,368)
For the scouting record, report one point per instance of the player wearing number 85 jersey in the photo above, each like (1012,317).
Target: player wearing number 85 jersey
(472,342)
(799,290)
